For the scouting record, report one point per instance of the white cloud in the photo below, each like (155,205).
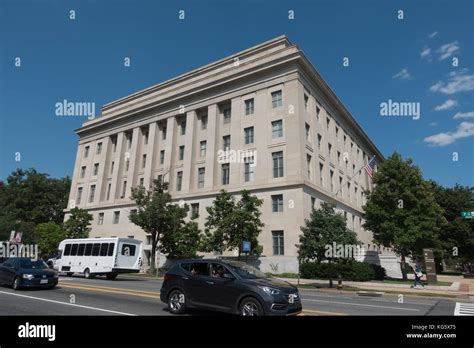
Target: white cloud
(433,34)
(447,50)
(402,74)
(448,104)
(464,130)
(469,114)
(457,82)
(425,52)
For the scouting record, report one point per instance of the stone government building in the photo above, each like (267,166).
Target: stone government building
(269,102)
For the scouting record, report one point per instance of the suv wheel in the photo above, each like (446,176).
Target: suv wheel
(16,283)
(177,302)
(250,307)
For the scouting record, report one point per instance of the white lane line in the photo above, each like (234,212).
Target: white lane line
(364,305)
(371,300)
(68,304)
(463,308)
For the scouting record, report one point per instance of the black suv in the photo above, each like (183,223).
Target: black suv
(227,286)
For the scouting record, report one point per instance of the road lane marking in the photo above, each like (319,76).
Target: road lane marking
(67,303)
(108,290)
(371,299)
(463,308)
(363,304)
(322,312)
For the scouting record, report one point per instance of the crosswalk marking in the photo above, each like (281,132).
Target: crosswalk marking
(463,308)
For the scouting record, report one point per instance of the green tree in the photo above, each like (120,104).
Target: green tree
(158,217)
(229,223)
(78,224)
(49,235)
(401,210)
(182,243)
(323,228)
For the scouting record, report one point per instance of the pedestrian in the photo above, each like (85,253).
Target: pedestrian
(418,274)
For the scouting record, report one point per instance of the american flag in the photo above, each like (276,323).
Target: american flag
(370,167)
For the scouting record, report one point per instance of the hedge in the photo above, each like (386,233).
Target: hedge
(349,270)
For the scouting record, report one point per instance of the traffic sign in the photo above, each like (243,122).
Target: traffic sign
(246,246)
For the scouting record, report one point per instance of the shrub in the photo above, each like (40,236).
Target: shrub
(349,270)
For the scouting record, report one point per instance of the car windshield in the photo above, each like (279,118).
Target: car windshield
(246,271)
(30,264)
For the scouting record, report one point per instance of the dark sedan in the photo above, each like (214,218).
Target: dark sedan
(22,272)
(227,286)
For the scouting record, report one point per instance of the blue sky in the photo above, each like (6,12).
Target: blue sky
(407,60)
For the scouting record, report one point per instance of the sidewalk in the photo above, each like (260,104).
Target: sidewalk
(460,287)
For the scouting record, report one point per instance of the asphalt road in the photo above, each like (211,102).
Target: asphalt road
(129,295)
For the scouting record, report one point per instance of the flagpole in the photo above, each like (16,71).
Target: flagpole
(340,187)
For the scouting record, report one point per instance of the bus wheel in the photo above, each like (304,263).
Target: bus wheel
(111,276)
(69,274)
(87,274)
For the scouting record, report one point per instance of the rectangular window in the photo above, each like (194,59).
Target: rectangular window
(113,139)
(111,249)
(227,115)
(80,249)
(248,135)
(112,167)
(104,247)
(313,202)
(116,217)
(320,138)
(204,122)
(96,249)
(183,127)
(181,152)
(249,106)
(328,122)
(331,179)
(226,142)
(202,148)
(277,203)
(142,182)
(248,169)
(100,219)
(143,161)
(108,191)
(349,190)
(337,132)
(308,133)
(277,100)
(201,173)
(339,157)
(277,164)
(277,129)
(127,164)
(124,189)
(318,111)
(179,181)
(321,174)
(74,249)
(92,194)
(88,251)
(278,243)
(67,250)
(99,148)
(163,132)
(225,173)
(83,172)
(306,100)
(329,150)
(162,156)
(86,152)
(308,165)
(129,141)
(96,169)
(340,185)
(128,249)
(145,136)
(194,210)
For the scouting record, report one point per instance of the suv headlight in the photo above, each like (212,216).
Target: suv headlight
(269,291)
(28,276)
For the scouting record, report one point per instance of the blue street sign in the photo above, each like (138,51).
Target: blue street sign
(246,246)
(467,214)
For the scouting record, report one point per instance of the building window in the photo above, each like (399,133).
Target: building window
(226,142)
(248,169)
(124,188)
(201,173)
(183,127)
(321,174)
(249,106)
(142,181)
(353,169)
(179,181)
(129,141)
(277,164)
(83,172)
(318,111)
(163,132)
(100,219)
(277,129)
(181,152)
(308,165)
(320,138)
(116,217)
(92,194)
(162,156)
(99,148)
(313,201)
(112,164)
(277,203)
(143,161)
(127,164)
(145,136)
(225,173)
(330,150)
(308,133)
(227,115)
(248,135)
(349,190)
(331,179)
(278,243)
(79,195)
(356,197)
(194,210)
(113,139)
(277,99)
(108,191)
(337,132)
(159,178)
(306,100)
(339,158)
(340,185)
(204,122)
(328,122)
(202,148)
(344,138)
(96,169)
(86,152)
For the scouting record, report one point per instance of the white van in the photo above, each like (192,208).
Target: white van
(99,256)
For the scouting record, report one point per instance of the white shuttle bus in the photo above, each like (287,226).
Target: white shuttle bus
(99,256)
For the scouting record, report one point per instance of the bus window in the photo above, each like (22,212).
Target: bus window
(103,249)
(80,250)
(111,249)
(88,251)
(74,249)
(128,249)
(96,249)
(67,250)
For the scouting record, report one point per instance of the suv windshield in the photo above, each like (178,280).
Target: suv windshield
(30,264)
(246,271)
